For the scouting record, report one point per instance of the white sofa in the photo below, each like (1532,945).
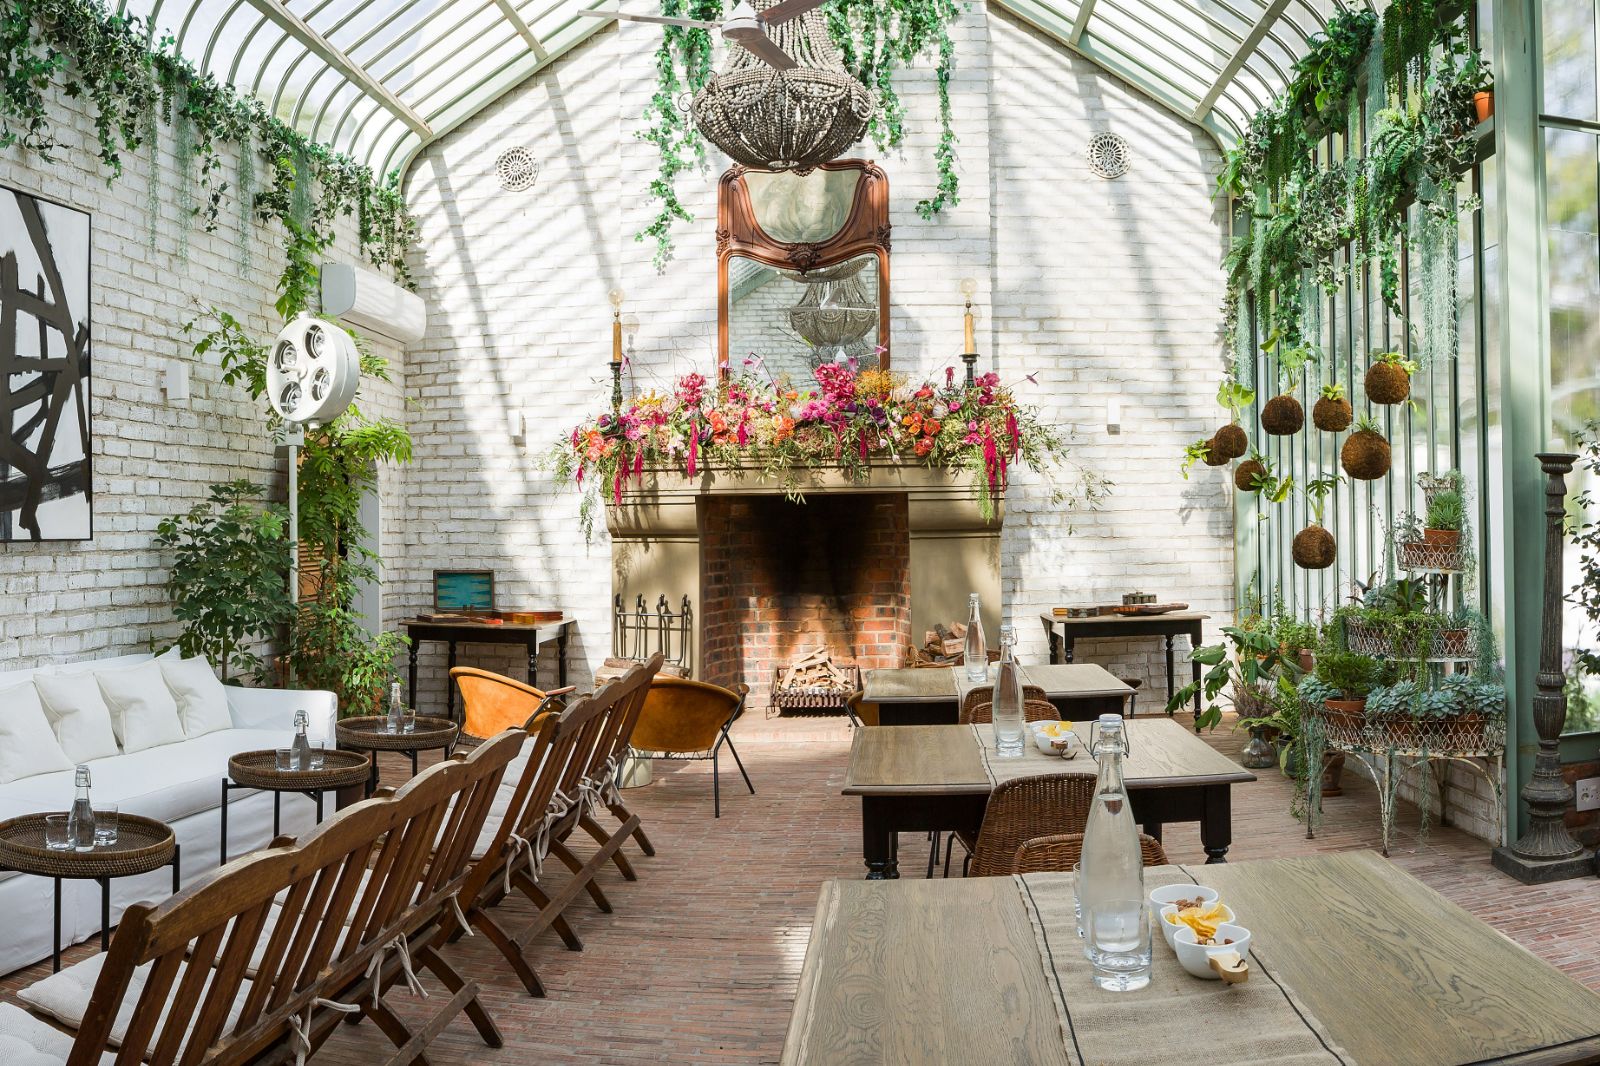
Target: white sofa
(179,783)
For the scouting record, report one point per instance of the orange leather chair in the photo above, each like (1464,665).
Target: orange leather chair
(492,703)
(685,719)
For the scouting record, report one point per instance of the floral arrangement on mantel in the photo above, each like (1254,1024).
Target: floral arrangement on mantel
(848,420)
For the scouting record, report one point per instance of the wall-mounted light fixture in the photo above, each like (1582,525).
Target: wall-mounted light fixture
(175,381)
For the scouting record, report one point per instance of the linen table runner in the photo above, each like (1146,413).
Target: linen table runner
(1177,1018)
(1033,762)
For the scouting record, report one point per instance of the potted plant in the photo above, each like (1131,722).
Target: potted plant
(1365,455)
(1296,641)
(1282,415)
(1344,680)
(1388,379)
(1201,451)
(1247,659)
(1447,513)
(1230,442)
(1249,475)
(1475,702)
(1313,547)
(1332,413)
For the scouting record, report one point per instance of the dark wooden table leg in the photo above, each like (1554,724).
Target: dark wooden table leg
(533,658)
(1151,829)
(277,814)
(561,656)
(177,880)
(449,685)
(1216,824)
(1053,641)
(411,668)
(877,841)
(105,914)
(1167,639)
(1067,643)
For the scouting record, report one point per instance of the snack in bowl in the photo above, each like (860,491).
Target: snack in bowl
(1055,738)
(1203,921)
(1230,944)
(1181,895)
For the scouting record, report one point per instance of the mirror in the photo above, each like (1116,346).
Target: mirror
(803,269)
(785,324)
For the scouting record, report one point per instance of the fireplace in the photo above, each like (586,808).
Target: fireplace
(859,567)
(780,577)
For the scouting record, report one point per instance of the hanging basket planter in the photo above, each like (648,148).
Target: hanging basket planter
(1230,442)
(1214,457)
(1283,416)
(1313,548)
(1441,553)
(1365,455)
(1245,475)
(1388,379)
(1332,414)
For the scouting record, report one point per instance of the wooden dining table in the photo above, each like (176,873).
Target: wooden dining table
(932,695)
(933,778)
(952,971)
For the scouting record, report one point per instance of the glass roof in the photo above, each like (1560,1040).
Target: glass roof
(379,79)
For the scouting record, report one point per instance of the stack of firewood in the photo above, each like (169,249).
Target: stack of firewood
(814,668)
(941,646)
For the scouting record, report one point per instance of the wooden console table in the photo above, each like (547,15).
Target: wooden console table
(467,631)
(1125,626)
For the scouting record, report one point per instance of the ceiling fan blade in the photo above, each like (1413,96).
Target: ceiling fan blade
(766,50)
(664,20)
(784,10)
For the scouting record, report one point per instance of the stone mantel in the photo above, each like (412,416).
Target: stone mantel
(954,550)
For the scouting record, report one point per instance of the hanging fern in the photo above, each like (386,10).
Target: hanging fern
(874,38)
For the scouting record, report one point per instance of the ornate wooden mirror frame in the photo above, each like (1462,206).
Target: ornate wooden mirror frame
(865,231)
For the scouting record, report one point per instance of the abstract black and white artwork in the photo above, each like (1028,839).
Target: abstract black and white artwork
(45,444)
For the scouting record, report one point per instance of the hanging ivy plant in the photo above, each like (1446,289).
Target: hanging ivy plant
(874,37)
(114,62)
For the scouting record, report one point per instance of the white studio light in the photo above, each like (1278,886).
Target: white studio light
(313,371)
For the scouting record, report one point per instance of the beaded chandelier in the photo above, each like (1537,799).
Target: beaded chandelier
(792,119)
(836,310)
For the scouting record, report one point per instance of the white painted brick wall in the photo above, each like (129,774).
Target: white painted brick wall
(1101,288)
(71,600)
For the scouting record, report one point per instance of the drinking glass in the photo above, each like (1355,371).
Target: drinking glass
(105,823)
(1118,943)
(55,832)
(319,756)
(285,758)
(408,720)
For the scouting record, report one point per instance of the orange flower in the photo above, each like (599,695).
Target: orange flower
(931,427)
(924,446)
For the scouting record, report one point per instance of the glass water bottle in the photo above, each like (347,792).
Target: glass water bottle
(397,710)
(300,750)
(1008,708)
(975,654)
(1111,874)
(80,820)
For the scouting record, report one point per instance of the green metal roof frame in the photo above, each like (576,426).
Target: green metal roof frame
(381,79)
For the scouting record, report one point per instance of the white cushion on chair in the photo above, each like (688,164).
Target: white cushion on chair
(143,709)
(65,996)
(28,745)
(78,713)
(202,699)
(27,1041)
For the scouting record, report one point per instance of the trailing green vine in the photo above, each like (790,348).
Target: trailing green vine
(129,76)
(874,37)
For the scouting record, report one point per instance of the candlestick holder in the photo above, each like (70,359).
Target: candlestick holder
(616,385)
(971,359)
(1547,852)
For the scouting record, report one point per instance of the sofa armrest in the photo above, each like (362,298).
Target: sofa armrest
(273,708)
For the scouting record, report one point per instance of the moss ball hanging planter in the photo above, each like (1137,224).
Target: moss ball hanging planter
(1313,548)
(1282,416)
(1332,413)
(1365,455)
(1213,457)
(1388,379)
(1230,442)
(1248,474)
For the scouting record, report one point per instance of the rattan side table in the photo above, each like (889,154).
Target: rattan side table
(259,770)
(143,845)
(371,733)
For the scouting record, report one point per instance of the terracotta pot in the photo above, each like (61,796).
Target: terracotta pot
(1468,732)
(1442,538)
(1401,732)
(1483,103)
(1308,660)
(1332,773)
(1350,714)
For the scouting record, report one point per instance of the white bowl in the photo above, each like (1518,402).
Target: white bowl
(1173,893)
(1047,744)
(1195,957)
(1171,929)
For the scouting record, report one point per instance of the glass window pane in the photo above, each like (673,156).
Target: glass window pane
(1573,233)
(1569,58)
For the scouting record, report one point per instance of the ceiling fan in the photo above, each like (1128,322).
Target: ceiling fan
(745,26)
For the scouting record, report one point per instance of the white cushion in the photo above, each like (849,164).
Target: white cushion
(143,710)
(28,745)
(79,715)
(27,1041)
(202,701)
(65,996)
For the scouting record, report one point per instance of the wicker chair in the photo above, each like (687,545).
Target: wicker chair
(492,703)
(685,719)
(1061,852)
(1033,710)
(983,696)
(1026,808)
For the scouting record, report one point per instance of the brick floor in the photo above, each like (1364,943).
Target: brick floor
(699,962)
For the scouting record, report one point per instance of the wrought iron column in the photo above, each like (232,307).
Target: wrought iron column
(1547,852)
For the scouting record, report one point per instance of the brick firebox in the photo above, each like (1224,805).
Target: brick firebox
(778,577)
